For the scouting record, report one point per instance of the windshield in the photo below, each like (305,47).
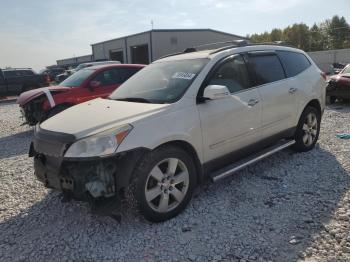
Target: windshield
(163,82)
(77,78)
(346,70)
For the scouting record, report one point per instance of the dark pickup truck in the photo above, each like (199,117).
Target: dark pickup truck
(14,81)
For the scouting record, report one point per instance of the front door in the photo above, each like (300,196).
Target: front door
(230,123)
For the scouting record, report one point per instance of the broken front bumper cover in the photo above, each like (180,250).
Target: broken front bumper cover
(80,180)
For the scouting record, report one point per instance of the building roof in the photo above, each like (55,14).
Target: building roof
(172,30)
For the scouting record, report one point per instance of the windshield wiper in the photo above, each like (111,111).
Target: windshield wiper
(134,99)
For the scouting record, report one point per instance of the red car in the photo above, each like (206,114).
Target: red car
(86,84)
(339,85)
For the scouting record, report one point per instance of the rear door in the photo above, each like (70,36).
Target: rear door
(276,91)
(234,122)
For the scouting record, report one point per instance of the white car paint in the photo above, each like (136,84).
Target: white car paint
(213,128)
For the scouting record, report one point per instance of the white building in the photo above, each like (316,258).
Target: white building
(149,46)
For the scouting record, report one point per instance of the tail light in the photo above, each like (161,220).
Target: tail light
(324,76)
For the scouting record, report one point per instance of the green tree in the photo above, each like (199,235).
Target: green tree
(338,31)
(298,35)
(276,35)
(317,38)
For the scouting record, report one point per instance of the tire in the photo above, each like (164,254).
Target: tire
(56,110)
(161,194)
(308,130)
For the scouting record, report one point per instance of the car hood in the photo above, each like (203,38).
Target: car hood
(28,96)
(99,115)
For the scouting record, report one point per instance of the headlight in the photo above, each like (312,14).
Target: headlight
(102,144)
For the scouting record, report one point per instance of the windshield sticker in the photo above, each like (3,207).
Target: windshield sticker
(183,75)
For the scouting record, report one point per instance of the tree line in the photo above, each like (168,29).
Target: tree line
(330,34)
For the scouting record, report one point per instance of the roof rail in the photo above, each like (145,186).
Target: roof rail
(277,43)
(236,43)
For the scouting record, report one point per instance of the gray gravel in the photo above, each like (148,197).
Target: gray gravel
(286,208)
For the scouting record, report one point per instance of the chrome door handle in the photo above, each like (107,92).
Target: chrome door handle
(292,90)
(253,102)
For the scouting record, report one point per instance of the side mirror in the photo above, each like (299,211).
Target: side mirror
(94,84)
(213,92)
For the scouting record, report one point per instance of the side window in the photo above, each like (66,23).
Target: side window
(293,62)
(107,77)
(125,73)
(28,73)
(10,74)
(233,74)
(267,68)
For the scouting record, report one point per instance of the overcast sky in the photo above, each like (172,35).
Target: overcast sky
(36,33)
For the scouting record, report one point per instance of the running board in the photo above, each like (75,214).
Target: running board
(233,168)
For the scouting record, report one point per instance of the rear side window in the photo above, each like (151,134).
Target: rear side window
(267,68)
(293,62)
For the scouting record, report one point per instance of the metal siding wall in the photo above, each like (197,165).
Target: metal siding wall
(162,41)
(84,59)
(114,45)
(68,61)
(324,59)
(140,39)
(97,51)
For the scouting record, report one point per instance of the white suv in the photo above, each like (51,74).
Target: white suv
(179,121)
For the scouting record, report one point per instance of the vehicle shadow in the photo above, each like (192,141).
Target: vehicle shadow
(255,214)
(16,144)
(342,107)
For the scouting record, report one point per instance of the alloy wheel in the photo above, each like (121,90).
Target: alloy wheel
(310,129)
(167,185)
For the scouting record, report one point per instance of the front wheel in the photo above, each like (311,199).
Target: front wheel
(164,183)
(308,129)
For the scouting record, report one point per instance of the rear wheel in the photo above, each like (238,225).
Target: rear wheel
(164,183)
(308,129)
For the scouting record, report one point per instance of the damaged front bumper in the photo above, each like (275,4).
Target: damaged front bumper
(86,179)
(79,179)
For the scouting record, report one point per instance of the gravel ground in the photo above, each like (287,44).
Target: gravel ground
(288,207)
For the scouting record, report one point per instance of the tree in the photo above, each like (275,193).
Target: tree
(338,31)
(276,35)
(317,38)
(330,34)
(298,35)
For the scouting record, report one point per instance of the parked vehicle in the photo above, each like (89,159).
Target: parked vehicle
(52,72)
(59,78)
(339,85)
(89,83)
(14,81)
(338,67)
(182,119)
(84,65)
